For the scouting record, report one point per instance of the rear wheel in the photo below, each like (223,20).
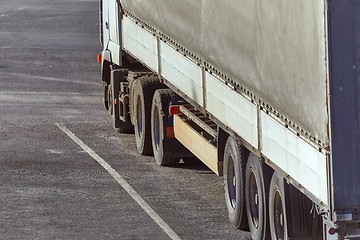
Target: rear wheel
(159,120)
(234,171)
(277,208)
(256,195)
(143,93)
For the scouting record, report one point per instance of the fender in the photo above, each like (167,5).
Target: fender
(105,65)
(106,56)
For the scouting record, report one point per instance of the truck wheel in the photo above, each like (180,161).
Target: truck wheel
(105,73)
(277,208)
(105,96)
(256,196)
(234,171)
(159,119)
(143,93)
(110,101)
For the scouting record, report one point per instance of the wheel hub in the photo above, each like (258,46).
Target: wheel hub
(279,220)
(156,129)
(139,117)
(231,180)
(254,200)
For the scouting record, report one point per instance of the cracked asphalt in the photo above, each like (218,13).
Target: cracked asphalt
(50,187)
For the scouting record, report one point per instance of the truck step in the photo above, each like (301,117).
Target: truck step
(202,121)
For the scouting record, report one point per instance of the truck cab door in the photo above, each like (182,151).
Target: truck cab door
(114,21)
(104,23)
(113,30)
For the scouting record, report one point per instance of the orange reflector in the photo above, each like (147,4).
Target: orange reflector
(170,132)
(99,58)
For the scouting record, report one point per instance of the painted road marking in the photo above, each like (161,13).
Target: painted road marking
(138,199)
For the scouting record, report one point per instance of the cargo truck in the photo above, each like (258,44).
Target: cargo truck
(265,93)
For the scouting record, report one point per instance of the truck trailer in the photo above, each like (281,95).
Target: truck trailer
(264,93)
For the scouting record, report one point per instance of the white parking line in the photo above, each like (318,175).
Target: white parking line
(144,205)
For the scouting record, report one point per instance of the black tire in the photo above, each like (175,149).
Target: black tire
(110,101)
(159,117)
(144,90)
(256,196)
(277,208)
(105,73)
(105,96)
(234,181)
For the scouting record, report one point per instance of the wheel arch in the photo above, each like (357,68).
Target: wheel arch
(221,142)
(105,66)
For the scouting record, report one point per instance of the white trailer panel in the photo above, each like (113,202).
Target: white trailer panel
(181,72)
(232,109)
(297,158)
(140,43)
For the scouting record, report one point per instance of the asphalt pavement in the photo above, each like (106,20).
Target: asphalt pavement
(52,187)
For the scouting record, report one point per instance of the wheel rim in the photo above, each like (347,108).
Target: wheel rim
(156,129)
(231,181)
(139,117)
(254,199)
(279,221)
